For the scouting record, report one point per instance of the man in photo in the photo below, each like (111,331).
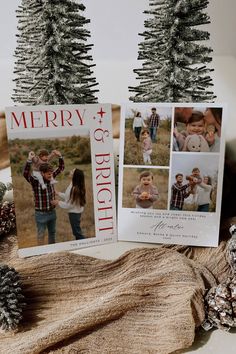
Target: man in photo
(179,193)
(153,123)
(45,214)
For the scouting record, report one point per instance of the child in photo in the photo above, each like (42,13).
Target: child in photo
(146,147)
(37,161)
(194,180)
(195,176)
(145,193)
(138,124)
(194,126)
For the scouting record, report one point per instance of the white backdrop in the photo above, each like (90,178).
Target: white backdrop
(114,32)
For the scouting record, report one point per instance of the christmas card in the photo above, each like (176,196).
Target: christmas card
(171,173)
(62,168)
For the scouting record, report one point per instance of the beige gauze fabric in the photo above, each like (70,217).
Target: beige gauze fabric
(147,301)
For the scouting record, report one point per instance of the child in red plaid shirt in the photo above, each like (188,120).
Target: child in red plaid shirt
(37,161)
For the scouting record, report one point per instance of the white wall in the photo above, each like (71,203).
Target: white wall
(225,88)
(223,26)
(114,29)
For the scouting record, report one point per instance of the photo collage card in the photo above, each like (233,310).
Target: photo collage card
(171,173)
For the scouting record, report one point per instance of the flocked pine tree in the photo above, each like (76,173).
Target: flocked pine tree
(27,38)
(56,67)
(175,60)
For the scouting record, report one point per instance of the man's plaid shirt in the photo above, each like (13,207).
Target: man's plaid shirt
(178,195)
(42,197)
(153,120)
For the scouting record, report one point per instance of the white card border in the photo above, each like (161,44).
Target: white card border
(124,214)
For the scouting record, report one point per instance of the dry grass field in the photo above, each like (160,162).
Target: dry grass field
(131,180)
(160,150)
(23,198)
(191,206)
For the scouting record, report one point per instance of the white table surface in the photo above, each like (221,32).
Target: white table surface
(212,342)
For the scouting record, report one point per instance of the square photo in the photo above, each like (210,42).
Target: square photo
(147,135)
(145,188)
(52,179)
(194,183)
(197,129)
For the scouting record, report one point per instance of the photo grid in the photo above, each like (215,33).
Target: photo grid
(171,157)
(147,145)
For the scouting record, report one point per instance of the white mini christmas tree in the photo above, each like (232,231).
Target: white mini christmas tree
(52,61)
(175,62)
(28,36)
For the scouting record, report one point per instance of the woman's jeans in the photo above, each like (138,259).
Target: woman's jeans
(137,132)
(203,207)
(75,225)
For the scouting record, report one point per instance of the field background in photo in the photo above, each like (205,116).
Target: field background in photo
(160,150)
(131,180)
(208,165)
(76,153)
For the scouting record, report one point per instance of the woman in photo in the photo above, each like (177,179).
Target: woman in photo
(204,191)
(138,124)
(213,118)
(74,200)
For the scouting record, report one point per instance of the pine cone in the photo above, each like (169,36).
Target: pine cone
(7,217)
(3,189)
(220,301)
(220,304)
(11,298)
(231,249)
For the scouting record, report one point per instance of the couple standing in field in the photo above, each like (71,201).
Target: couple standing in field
(149,134)
(41,175)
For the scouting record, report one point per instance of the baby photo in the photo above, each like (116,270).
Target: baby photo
(197,129)
(145,188)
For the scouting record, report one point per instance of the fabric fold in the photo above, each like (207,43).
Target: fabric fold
(149,300)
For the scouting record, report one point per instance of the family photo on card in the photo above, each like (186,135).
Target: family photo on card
(171,164)
(51,178)
(61,167)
